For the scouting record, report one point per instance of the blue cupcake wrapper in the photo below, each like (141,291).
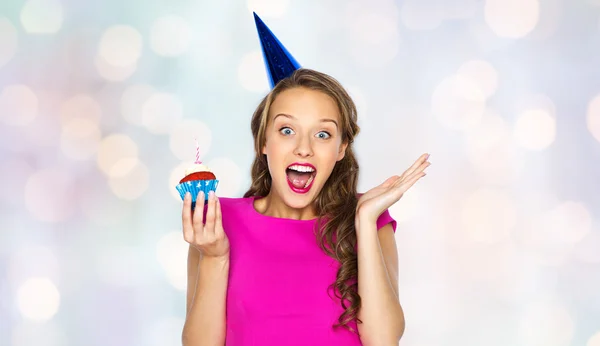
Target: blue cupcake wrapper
(195,186)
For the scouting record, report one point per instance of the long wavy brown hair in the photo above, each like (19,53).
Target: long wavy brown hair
(336,203)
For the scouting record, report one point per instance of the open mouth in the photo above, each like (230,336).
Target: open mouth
(301,176)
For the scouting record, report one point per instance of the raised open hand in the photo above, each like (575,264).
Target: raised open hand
(378,199)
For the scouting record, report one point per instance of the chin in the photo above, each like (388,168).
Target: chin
(297,200)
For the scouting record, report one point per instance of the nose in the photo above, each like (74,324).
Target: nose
(303,147)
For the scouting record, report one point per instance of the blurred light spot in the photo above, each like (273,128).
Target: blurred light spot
(170,36)
(49,195)
(161,112)
(121,266)
(18,105)
(164,332)
(123,167)
(42,16)
(229,175)
(129,179)
(407,207)
(482,35)
(221,48)
(441,229)
(593,117)
(8,41)
(512,18)
(509,274)
(497,269)
(43,134)
(431,301)
(269,8)
(177,174)
(373,23)
(546,323)
(488,215)
(81,107)
(587,249)
(373,38)
(571,221)
(421,15)
(360,101)
(458,103)
(252,74)
(28,333)
(132,102)
(114,148)
(594,340)
(32,261)
(38,299)
(80,139)
(15,171)
(171,252)
(537,101)
(113,73)
(183,140)
(551,235)
(121,46)
(491,150)
(460,9)
(535,129)
(101,207)
(491,130)
(550,15)
(535,199)
(481,73)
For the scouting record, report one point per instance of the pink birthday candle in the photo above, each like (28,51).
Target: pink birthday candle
(197,153)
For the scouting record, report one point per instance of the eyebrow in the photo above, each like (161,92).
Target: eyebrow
(294,118)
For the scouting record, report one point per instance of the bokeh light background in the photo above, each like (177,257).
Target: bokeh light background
(100,102)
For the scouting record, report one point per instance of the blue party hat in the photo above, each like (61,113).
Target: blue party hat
(278,61)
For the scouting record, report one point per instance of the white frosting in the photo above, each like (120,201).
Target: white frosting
(196,168)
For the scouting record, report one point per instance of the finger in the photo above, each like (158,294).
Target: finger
(390,181)
(418,172)
(422,167)
(198,212)
(422,159)
(209,228)
(218,219)
(410,181)
(186,218)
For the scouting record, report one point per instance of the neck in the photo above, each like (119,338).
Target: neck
(274,206)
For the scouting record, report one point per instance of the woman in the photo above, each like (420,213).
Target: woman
(302,259)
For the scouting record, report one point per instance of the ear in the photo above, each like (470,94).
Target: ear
(342,151)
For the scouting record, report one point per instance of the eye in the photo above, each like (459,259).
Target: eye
(323,135)
(286,131)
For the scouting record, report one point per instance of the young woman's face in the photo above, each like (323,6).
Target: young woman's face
(303,143)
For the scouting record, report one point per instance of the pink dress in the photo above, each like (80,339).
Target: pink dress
(278,281)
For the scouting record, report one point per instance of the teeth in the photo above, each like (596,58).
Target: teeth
(309,181)
(299,168)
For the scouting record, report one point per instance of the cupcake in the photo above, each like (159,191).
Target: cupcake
(198,177)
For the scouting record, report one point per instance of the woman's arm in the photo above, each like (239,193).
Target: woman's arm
(206,296)
(381,312)
(208,271)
